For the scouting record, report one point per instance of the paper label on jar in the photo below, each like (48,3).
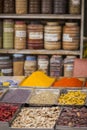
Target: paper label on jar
(20,33)
(51,37)
(43,63)
(36,35)
(67,38)
(6,70)
(8,30)
(76,2)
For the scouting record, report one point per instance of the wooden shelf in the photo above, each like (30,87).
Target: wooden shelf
(40,16)
(49,52)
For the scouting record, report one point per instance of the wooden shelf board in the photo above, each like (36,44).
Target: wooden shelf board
(49,52)
(40,16)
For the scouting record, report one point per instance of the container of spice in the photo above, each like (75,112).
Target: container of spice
(30,65)
(35,36)
(68,66)
(8,33)
(34,6)
(46,7)
(6,66)
(9,6)
(74,6)
(60,6)
(43,63)
(18,65)
(20,35)
(1,6)
(52,36)
(56,66)
(71,36)
(1,33)
(21,6)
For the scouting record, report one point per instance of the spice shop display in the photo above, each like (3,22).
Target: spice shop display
(43,63)
(35,35)
(56,66)
(46,7)
(30,65)
(52,36)
(8,33)
(18,65)
(44,117)
(21,6)
(34,6)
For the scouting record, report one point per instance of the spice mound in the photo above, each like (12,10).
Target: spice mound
(72,98)
(38,79)
(73,117)
(68,82)
(44,117)
(45,97)
(7,111)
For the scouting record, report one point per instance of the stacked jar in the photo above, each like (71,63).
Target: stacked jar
(1,6)
(43,63)
(21,6)
(52,36)
(30,65)
(68,66)
(56,66)
(60,6)
(1,33)
(6,66)
(18,65)
(8,34)
(34,6)
(35,36)
(74,6)
(20,35)
(71,36)
(9,6)
(46,6)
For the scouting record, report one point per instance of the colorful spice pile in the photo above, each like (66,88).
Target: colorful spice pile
(72,98)
(7,111)
(68,82)
(38,79)
(37,118)
(73,117)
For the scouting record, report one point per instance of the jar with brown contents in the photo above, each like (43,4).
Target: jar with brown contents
(71,36)
(1,33)
(34,6)
(18,65)
(46,7)
(74,6)
(20,35)
(9,6)
(52,36)
(35,36)
(21,6)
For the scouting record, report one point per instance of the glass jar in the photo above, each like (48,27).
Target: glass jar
(74,6)
(6,66)
(71,36)
(9,6)
(21,6)
(8,34)
(56,66)
(20,35)
(18,65)
(30,65)
(43,63)
(60,6)
(34,6)
(68,66)
(46,6)
(52,36)
(1,34)
(35,36)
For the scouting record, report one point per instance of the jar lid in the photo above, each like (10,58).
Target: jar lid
(29,58)
(71,24)
(52,23)
(70,56)
(59,56)
(4,57)
(42,56)
(18,55)
(35,22)
(19,22)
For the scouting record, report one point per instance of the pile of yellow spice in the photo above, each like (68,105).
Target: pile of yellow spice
(38,79)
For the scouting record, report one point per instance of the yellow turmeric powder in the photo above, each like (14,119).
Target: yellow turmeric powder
(38,79)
